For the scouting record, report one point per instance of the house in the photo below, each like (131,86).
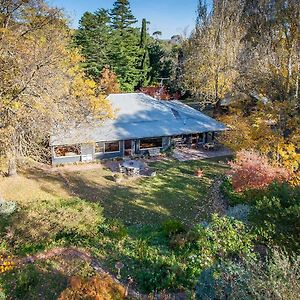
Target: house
(141,123)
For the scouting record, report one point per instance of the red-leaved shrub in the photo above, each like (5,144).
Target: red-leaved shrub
(251,170)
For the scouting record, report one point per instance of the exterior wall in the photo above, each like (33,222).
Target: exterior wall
(112,154)
(166,141)
(87,151)
(65,160)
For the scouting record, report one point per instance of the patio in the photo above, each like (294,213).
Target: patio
(139,168)
(186,154)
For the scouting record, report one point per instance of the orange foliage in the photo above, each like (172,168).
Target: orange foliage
(251,170)
(100,287)
(159,93)
(108,82)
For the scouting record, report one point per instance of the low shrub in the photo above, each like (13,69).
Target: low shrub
(224,237)
(276,216)
(277,278)
(97,287)
(172,227)
(116,229)
(239,212)
(7,207)
(230,194)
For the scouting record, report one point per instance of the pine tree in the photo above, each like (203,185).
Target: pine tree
(122,17)
(145,60)
(93,36)
(125,54)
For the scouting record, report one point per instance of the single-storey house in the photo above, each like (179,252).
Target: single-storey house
(141,124)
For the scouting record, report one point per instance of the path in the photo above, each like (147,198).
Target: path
(215,199)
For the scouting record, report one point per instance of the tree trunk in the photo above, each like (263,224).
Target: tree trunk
(12,166)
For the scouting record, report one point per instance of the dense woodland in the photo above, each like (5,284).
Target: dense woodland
(241,63)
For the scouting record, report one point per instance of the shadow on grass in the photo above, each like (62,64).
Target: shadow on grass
(174,193)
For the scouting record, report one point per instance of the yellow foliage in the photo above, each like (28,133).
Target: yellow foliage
(100,287)
(6,263)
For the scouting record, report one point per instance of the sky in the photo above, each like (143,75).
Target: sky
(171,17)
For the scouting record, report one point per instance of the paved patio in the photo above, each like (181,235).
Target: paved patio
(145,170)
(186,154)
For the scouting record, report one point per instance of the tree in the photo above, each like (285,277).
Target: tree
(250,170)
(108,83)
(41,85)
(122,17)
(212,51)
(145,63)
(125,54)
(93,38)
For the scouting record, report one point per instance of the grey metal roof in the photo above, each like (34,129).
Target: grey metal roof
(138,116)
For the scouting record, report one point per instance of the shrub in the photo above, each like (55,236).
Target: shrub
(179,241)
(278,278)
(230,194)
(172,227)
(98,287)
(224,237)
(117,229)
(7,207)
(276,216)
(239,212)
(250,170)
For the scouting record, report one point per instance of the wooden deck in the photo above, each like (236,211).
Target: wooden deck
(186,154)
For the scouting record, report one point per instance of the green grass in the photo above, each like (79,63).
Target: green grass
(174,193)
(62,209)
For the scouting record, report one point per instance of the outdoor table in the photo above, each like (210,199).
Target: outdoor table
(131,165)
(209,146)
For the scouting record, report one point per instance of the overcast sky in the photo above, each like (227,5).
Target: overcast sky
(168,16)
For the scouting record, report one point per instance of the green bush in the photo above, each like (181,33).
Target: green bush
(230,195)
(278,278)
(239,212)
(116,229)
(172,227)
(224,237)
(276,216)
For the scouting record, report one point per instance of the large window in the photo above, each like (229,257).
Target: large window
(73,150)
(99,147)
(150,143)
(111,147)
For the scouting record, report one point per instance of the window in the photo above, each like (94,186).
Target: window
(73,150)
(151,143)
(111,147)
(99,147)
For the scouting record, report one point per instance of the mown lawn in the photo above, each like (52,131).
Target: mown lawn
(62,209)
(174,193)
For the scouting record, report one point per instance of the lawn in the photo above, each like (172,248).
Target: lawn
(63,209)
(174,193)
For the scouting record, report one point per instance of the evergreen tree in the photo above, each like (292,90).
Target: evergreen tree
(122,17)
(125,54)
(145,61)
(93,36)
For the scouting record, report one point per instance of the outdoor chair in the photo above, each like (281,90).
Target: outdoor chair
(122,169)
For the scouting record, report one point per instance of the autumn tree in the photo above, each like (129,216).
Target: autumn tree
(251,170)
(108,83)
(41,84)
(212,52)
